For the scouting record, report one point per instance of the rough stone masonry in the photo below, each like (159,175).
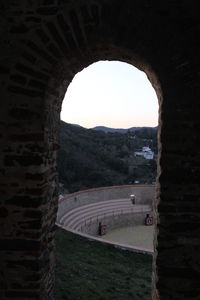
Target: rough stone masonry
(43,44)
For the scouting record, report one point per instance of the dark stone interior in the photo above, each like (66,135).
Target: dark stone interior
(44,43)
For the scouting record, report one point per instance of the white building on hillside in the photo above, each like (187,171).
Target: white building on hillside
(146,152)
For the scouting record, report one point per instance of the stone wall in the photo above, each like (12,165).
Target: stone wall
(43,44)
(89,238)
(144,195)
(114,222)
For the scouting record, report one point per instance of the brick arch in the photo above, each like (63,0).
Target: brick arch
(39,41)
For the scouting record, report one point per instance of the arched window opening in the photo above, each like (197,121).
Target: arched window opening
(113,97)
(108,143)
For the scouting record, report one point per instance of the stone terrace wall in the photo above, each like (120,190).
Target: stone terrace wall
(144,195)
(114,222)
(88,238)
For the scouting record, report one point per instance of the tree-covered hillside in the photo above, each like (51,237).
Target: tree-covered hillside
(89,158)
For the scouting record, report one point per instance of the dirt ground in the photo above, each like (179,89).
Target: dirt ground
(138,236)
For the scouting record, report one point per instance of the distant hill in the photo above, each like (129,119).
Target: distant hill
(91,158)
(108,129)
(121,130)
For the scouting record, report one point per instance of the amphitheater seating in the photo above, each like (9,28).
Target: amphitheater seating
(86,214)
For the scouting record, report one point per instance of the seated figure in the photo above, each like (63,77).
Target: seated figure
(148,220)
(132,198)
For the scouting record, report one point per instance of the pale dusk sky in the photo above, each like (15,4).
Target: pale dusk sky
(112,94)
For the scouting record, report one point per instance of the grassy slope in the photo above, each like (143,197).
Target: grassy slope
(89,270)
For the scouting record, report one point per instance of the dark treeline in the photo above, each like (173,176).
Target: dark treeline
(89,158)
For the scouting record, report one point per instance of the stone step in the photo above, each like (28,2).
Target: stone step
(81,215)
(93,205)
(98,217)
(94,211)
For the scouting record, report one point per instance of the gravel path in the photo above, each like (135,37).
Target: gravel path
(139,236)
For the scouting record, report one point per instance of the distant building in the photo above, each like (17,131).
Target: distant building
(146,152)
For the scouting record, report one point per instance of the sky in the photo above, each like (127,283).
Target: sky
(112,94)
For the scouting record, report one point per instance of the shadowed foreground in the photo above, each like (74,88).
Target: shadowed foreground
(90,270)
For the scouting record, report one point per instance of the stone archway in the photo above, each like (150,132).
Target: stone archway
(112,53)
(43,44)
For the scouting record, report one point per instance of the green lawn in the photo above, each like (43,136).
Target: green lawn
(90,270)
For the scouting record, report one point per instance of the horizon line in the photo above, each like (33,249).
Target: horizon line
(140,126)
